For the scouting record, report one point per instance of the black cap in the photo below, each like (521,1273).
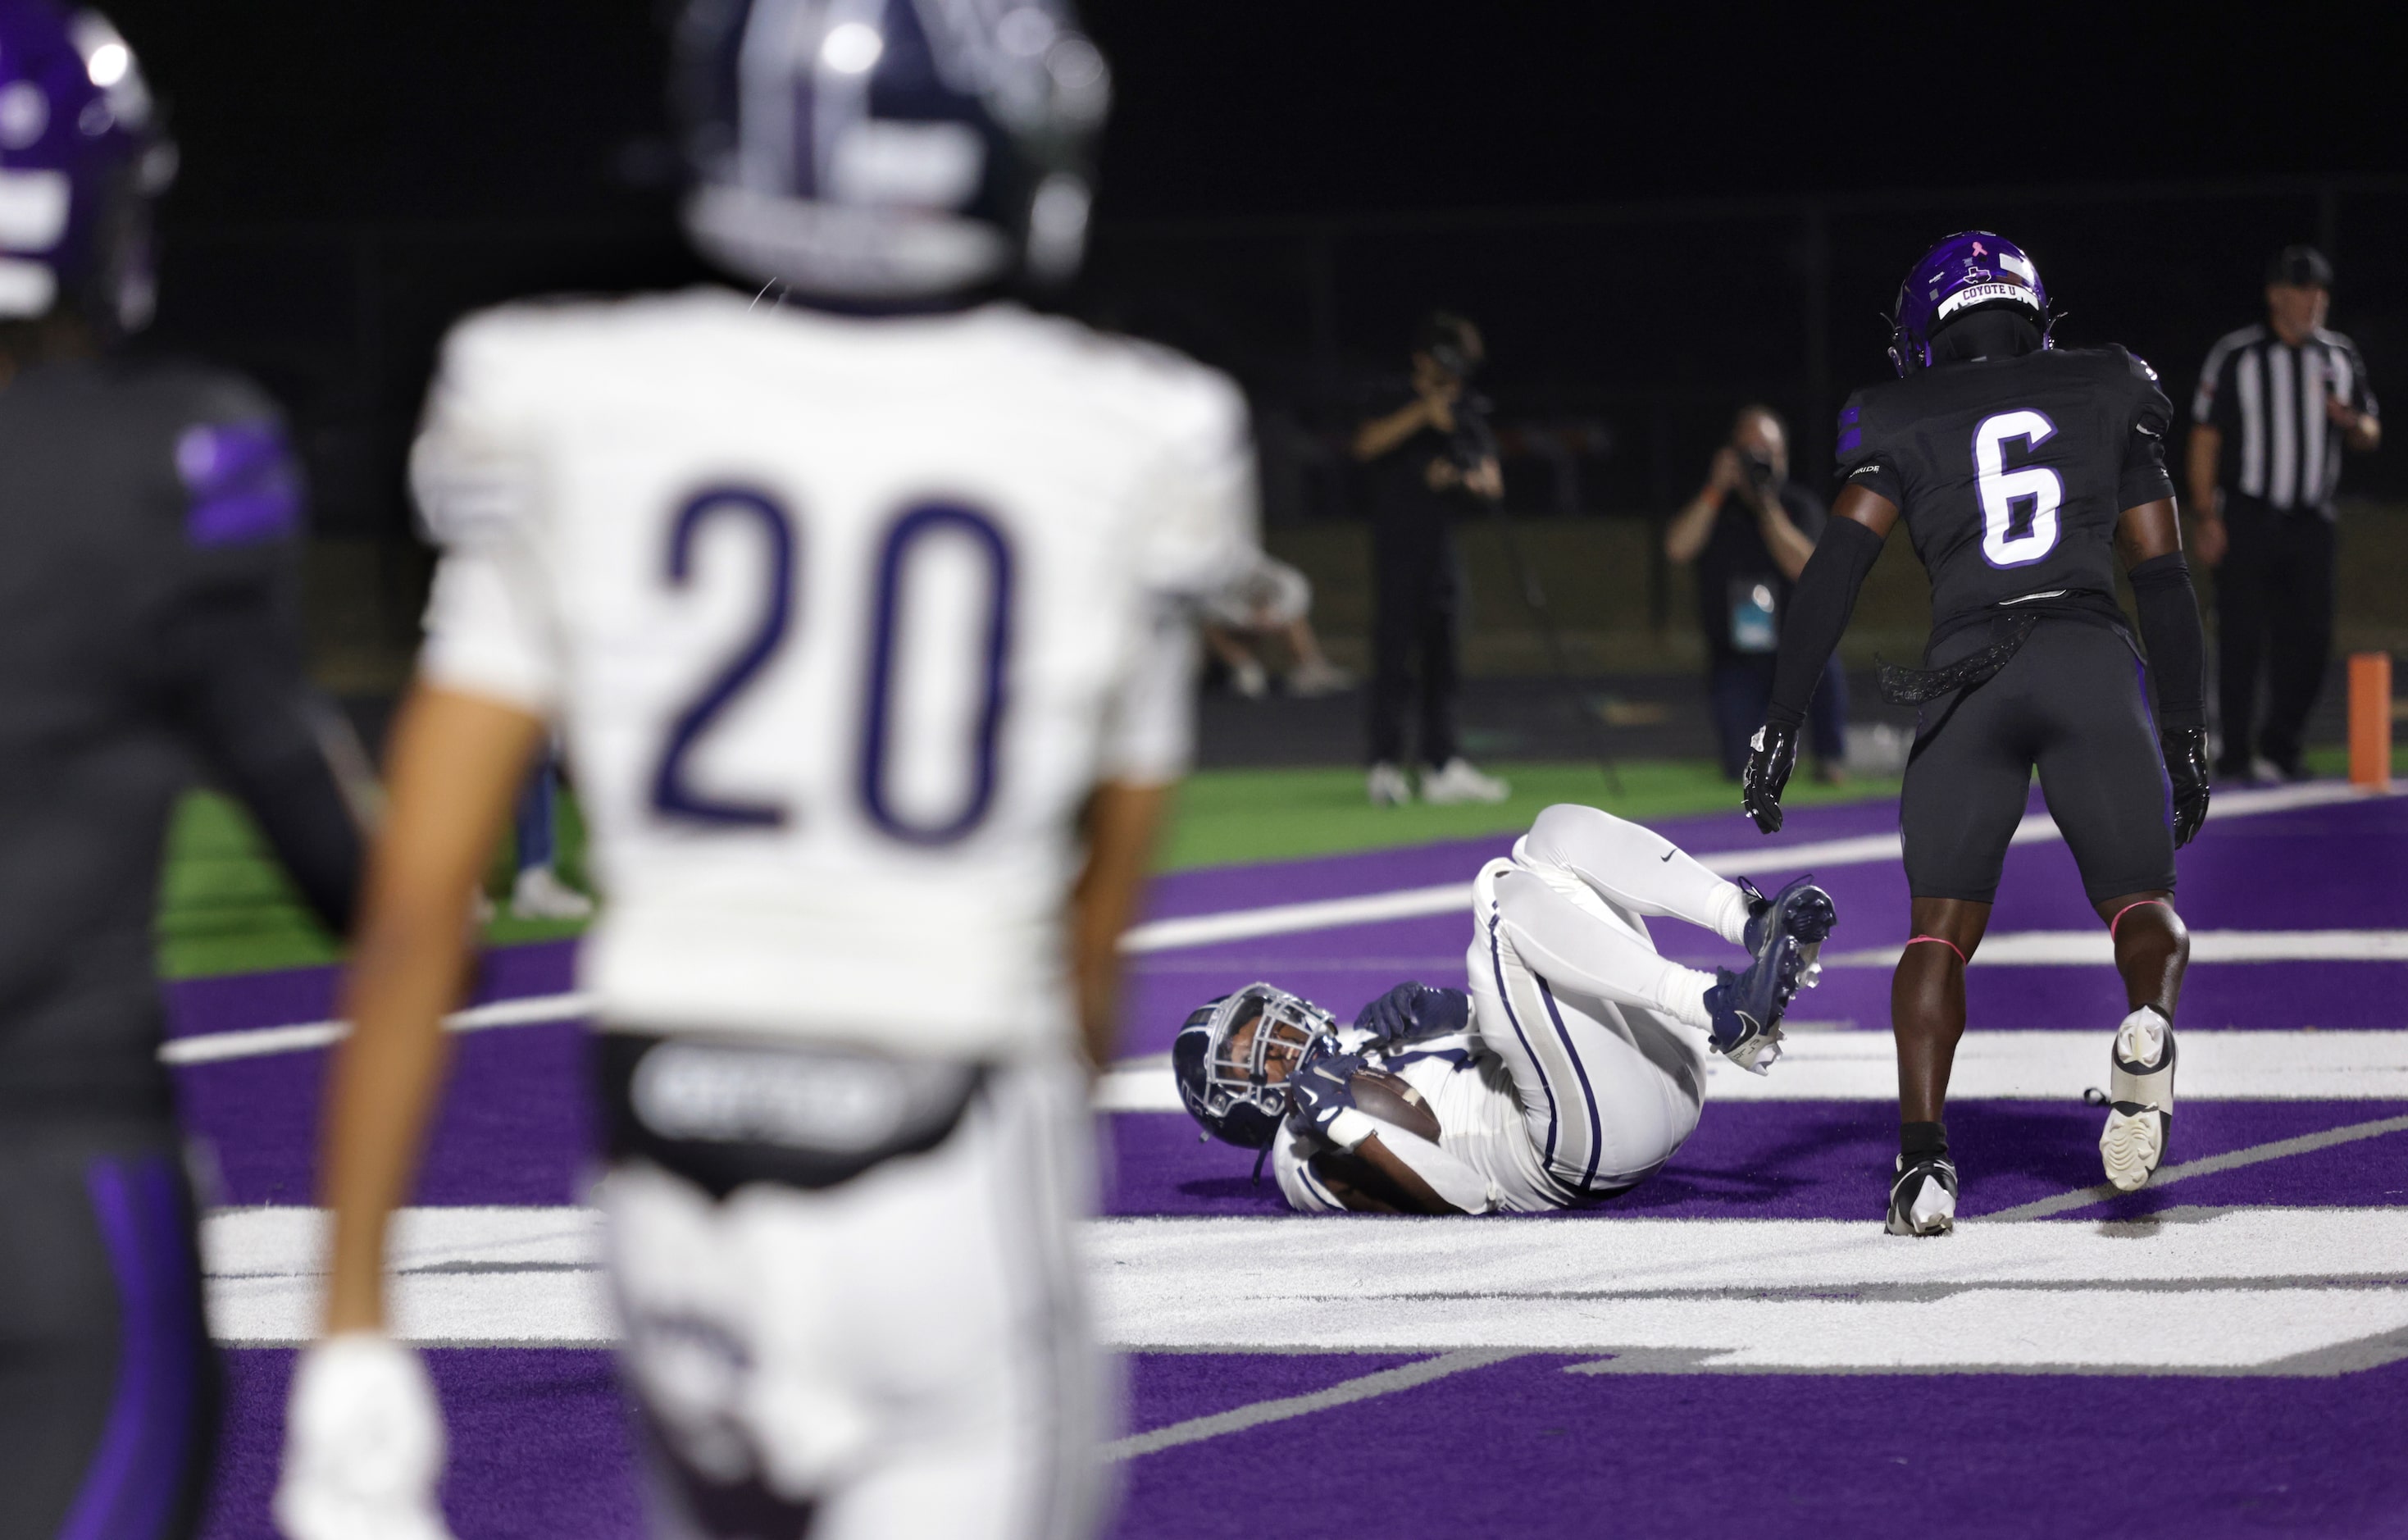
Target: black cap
(2303,266)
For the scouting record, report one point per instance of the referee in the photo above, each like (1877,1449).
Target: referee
(2275,405)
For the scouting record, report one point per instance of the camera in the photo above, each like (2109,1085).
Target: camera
(1756,470)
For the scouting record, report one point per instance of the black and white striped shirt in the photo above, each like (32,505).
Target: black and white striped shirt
(2268,400)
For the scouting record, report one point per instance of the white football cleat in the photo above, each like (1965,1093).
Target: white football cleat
(1459,782)
(541,896)
(2140,1097)
(362,1444)
(1388,786)
(1922,1198)
(1250,680)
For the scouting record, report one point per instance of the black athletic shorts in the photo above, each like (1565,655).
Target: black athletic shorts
(2071,703)
(108,1384)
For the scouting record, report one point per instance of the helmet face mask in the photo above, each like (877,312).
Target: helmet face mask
(80,161)
(889,151)
(1223,1054)
(1968,271)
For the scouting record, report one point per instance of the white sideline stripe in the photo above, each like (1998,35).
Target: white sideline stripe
(2236,1290)
(2096,948)
(1447,898)
(254,1042)
(2048,1065)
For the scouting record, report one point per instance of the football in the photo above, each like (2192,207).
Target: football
(1387,1098)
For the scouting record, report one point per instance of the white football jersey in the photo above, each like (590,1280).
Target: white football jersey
(841,620)
(1479,1122)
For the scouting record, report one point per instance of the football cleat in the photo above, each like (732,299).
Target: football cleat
(2140,1100)
(1803,910)
(1387,787)
(1743,1009)
(1922,1198)
(1458,782)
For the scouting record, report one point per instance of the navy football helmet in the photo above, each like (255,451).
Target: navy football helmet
(889,151)
(80,159)
(1971,270)
(1227,1087)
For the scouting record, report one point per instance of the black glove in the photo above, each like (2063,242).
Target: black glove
(1410,1012)
(2186,752)
(1772,754)
(1318,1089)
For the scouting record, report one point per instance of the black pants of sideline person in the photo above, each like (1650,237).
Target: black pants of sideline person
(2275,608)
(1742,688)
(1415,634)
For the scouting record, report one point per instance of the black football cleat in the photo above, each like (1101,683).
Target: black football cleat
(1801,908)
(1922,1198)
(1745,1008)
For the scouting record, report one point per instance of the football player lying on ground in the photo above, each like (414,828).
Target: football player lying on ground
(1570,1073)
(2023,473)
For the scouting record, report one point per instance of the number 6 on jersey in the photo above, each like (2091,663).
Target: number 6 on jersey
(2003,544)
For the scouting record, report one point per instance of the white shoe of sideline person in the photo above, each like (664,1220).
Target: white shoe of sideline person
(362,1444)
(1459,782)
(541,896)
(1388,786)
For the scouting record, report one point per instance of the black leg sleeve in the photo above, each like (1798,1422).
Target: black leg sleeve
(1818,616)
(2177,644)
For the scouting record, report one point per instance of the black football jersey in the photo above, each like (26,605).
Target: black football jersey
(2012,472)
(148,628)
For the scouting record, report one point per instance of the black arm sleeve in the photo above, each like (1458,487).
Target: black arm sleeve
(2177,646)
(246,707)
(1818,613)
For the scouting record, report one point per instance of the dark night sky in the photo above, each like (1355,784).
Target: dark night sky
(385,110)
(332,151)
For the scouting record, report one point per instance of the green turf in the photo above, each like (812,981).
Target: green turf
(1227,816)
(225,906)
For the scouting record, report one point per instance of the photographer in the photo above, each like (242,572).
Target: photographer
(1749,532)
(1430,456)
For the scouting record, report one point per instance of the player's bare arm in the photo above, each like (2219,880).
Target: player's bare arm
(1120,819)
(456,763)
(1370,1179)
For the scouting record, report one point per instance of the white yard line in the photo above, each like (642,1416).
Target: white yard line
(254,1042)
(1372,908)
(1447,898)
(1406,1377)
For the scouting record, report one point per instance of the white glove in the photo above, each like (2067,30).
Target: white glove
(362,1444)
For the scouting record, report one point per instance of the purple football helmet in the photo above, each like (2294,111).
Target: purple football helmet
(1971,270)
(80,159)
(887,150)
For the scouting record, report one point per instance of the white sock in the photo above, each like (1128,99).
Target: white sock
(1681,994)
(1730,920)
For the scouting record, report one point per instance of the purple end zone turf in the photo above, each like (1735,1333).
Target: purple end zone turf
(514,1126)
(541,1447)
(1832,1161)
(1521,1449)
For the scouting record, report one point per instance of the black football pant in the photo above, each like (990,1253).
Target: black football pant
(108,1383)
(1415,633)
(2273,607)
(2072,704)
